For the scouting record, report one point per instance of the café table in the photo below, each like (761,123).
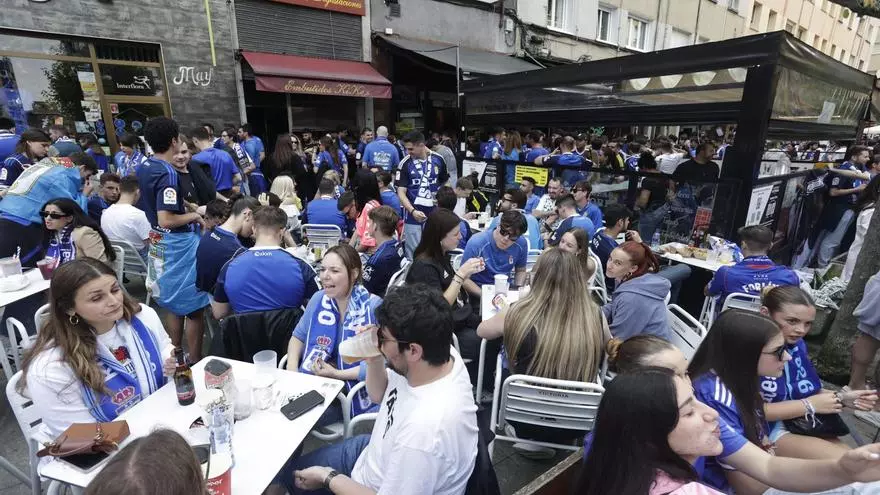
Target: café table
(711,266)
(261,443)
(488,308)
(36,284)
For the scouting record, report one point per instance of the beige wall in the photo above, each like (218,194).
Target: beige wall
(822,24)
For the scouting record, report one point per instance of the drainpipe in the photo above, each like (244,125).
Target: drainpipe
(657,25)
(697,23)
(239,85)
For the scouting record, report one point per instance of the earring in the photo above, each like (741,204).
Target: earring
(73,319)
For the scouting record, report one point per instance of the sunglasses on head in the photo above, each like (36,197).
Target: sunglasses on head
(779,352)
(53,215)
(510,234)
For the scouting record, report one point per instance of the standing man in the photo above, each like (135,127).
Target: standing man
(381,154)
(253,145)
(420,175)
(701,167)
(582,193)
(574,166)
(838,214)
(366,138)
(8,138)
(217,142)
(527,186)
(223,170)
(129,156)
(108,195)
(534,141)
(171,267)
(448,157)
(495,146)
(62,145)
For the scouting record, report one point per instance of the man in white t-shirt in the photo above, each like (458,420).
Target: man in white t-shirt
(668,159)
(425,437)
(122,221)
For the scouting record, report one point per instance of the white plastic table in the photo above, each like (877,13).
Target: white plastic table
(712,266)
(36,284)
(261,444)
(487,309)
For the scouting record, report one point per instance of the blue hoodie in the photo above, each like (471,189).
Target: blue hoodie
(638,307)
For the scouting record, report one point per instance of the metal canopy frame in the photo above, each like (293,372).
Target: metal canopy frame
(764,56)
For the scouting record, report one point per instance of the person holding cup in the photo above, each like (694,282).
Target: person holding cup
(334,314)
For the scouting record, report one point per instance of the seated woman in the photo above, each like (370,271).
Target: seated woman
(638,304)
(97,343)
(555,331)
(796,397)
(431,265)
(740,346)
(576,242)
(71,234)
(651,430)
(334,314)
(161,462)
(285,188)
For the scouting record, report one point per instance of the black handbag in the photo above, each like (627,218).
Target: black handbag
(826,426)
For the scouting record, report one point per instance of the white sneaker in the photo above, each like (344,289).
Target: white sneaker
(530,451)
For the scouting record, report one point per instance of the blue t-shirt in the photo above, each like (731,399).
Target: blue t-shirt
(838,181)
(49,179)
(160,191)
(343,146)
(593,212)
(535,153)
(570,223)
(492,149)
(532,203)
(361,147)
(390,198)
(750,276)
(323,211)
(710,390)
(222,167)
(101,160)
(325,158)
(533,232)
(498,261)
(381,266)
(422,178)
(96,207)
(575,167)
(8,142)
(465,229)
(250,282)
(13,166)
(215,249)
(381,154)
(632,163)
(799,380)
(602,245)
(254,146)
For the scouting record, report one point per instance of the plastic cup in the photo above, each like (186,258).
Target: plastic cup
(47,267)
(362,346)
(502,284)
(266,362)
(243,404)
(263,393)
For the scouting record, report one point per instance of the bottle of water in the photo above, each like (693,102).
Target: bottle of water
(655,239)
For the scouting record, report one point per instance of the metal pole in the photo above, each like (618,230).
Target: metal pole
(457,77)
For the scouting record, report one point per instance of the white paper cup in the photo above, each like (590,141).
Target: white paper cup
(266,362)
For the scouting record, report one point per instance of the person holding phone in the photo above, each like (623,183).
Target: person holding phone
(99,353)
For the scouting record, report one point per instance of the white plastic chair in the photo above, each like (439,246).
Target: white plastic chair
(133,264)
(532,258)
(41,316)
(735,300)
(19,344)
(324,235)
(543,402)
(687,333)
(119,262)
(338,430)
(481,363)
(29,422)
(597,282)
(399,277)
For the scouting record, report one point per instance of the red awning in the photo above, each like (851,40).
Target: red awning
(292,74)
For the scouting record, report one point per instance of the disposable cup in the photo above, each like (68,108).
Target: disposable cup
(502,284)
(266,362)
(263,393)
(362,346)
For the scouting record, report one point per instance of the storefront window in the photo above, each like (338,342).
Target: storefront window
(40,93)
(45,46)
(132,117)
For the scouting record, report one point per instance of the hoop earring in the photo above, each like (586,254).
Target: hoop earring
(73,319)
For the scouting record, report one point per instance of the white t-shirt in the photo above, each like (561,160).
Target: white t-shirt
(425,438)
(126,223)
(460,207)
(54,388)
(668,162)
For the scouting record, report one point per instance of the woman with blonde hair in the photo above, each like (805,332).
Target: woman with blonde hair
(556,331)
(99,353)
(285,188)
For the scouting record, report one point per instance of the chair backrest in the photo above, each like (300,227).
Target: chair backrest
(133,263)
(119,262)
(686,332)
(282,363)
(740,300)
(41,316)
(399,277)
(549,403)
(456,261)
(23,408)
(532,258)
(19,340)
(324,235)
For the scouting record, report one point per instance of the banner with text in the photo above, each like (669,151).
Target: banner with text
(355,7)
(319,87)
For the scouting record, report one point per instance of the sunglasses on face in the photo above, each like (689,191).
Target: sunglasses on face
(779,352)
(511,235)
(53,215)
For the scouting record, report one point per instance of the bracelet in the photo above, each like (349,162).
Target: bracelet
(810,414)
(327,479)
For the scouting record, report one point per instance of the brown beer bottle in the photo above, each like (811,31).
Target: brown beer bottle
(183,380)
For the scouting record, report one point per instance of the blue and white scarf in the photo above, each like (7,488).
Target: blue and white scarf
(127,165)
(323,338)
(127,389)
(61,246)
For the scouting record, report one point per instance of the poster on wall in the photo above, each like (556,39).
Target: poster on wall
(487,175)
(131,81)
(758,204)
(88,84)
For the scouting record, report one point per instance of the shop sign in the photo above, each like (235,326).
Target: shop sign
(319,87)
(355,7)
(125,80)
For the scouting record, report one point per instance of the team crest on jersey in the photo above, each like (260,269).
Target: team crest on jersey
(510,259)
(324,342)
(169,196)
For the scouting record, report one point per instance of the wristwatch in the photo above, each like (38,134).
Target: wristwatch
(327,479)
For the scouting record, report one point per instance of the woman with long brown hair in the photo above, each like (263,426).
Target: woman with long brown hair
(99,353)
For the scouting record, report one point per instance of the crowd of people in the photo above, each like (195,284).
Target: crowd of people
(220,222)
